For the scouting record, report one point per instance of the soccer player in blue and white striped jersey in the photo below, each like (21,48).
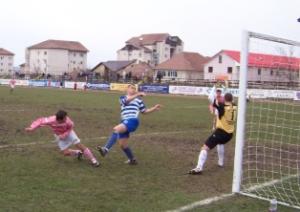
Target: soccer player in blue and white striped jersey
(131,106)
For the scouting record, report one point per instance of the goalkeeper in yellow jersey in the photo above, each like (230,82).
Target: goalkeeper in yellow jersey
(222,134)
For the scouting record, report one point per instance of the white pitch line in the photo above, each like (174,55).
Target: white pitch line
(202,203)
(270,183)
(95,138)
(20,110)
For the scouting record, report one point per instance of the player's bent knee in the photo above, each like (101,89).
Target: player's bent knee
(123,144)
(80,146)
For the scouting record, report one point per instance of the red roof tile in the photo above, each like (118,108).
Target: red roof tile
(6,52)
(266,60)
(60,44)
(187,61)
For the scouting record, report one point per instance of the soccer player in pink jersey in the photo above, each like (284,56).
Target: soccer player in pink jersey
(12,84)
(62,126)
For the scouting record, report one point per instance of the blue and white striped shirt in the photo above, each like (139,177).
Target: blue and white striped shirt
(131,109)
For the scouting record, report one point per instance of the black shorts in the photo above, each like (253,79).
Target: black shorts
(218,137)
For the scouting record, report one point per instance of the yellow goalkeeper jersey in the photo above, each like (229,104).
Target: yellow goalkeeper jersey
(226,117)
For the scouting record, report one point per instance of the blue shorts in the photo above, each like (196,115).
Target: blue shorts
(131,125)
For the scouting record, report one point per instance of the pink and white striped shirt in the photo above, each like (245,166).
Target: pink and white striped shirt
(60,129)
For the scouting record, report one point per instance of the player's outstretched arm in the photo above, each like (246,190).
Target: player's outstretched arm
(29,129)
(152,109)
(43,121)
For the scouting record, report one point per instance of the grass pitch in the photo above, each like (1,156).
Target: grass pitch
(34,176)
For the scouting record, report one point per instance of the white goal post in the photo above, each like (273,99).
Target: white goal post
(267,149)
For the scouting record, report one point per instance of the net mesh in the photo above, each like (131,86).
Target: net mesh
(271,154)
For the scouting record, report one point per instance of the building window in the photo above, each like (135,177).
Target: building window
(259,71)
(271,72)
(1,69)
(140,54)
(1,57)
(220,58)
(9,64)
(210,69)
(45,52)
(81,54)
(229,70)
(172,73)
(1,64)
(74,54)
(81,62)
(166,56)
(73,62)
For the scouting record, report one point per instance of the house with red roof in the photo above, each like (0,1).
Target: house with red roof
(151,48)
(183,66)
(262,67)
(6,61)
(56,57)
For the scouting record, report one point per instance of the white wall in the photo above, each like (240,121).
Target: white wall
(277,76)
(162,49)
(139,55)
(221,68)
(37,60)
(77,61)
(253,74)
(181,75)
(6,64)
(55,61)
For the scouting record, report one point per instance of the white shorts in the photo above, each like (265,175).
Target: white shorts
(12,86)
(216,112)
(70,140)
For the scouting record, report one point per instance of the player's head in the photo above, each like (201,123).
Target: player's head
(131,89)
(61,116)
(228,97)
(218,92)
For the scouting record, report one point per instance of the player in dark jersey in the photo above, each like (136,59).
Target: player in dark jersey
(222,134)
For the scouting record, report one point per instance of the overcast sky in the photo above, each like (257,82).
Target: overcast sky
(205,26)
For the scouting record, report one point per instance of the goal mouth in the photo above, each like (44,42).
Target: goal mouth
(267,154)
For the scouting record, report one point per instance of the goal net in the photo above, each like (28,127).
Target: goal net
(267,157)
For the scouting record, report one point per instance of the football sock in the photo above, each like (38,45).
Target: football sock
(111,141)
(73,152)
(220,149)
(128,153)
(202,159)
(89,155)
